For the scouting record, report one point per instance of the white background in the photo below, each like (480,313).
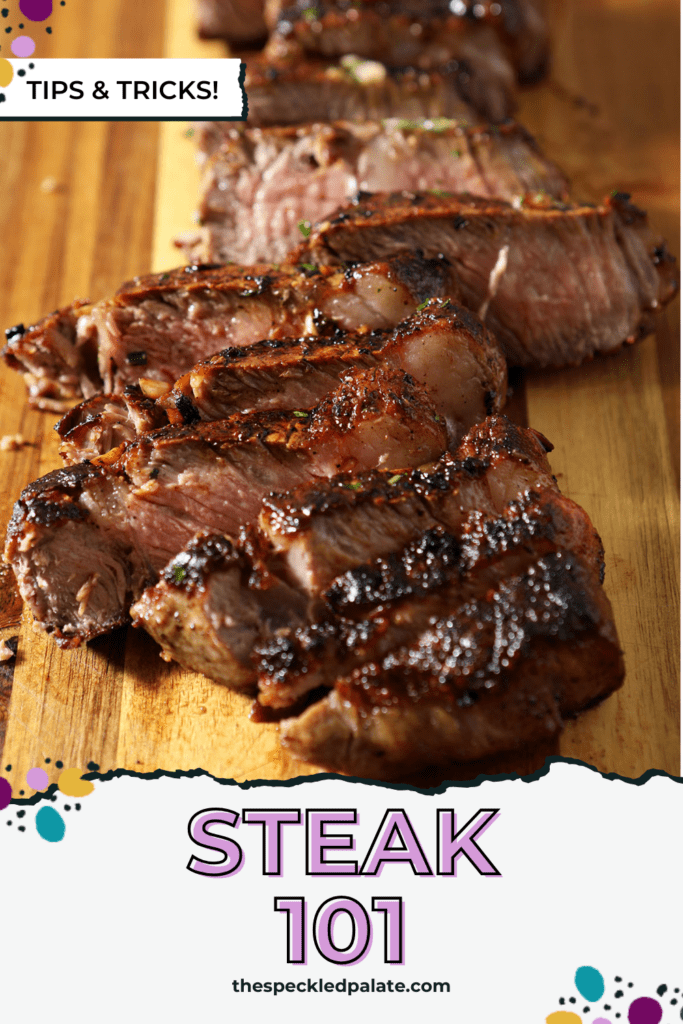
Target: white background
(108,925)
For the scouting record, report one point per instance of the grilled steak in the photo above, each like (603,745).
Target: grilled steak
(319,533)
(390,600)
(418,31)
(237,21)
(496,668)
(295,91)
(84,541)
(262,183)
(101,423)
(159,325)
(555,283)
(443,346)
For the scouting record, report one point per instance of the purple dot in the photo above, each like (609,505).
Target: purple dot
(645,1011)
(37,778)
(23,46)
(36,10)
(5,793)
(601,1020)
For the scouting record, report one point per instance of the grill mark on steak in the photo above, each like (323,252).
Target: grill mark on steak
(321,167)
(443,346)
(473,499)
(540,317)
(182,316)
(106,528)
(388,600)
(497,673)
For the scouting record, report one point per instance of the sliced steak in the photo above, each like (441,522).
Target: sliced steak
(492,673)
(240,598)
(238,21)
(443,346)
(101,423)
(419,32)
(263,184)
(57,356)
(555,283)
(389,600)
(84,541)
(157,326)
(323,533)
(290,90)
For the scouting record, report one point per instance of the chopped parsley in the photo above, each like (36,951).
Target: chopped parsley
(178,573)
(355,486)
(308,266)
(300,414)
(305,227)
(395,479)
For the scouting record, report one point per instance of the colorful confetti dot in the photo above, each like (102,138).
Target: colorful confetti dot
(563,1017)
(6,72)
(23,46)
(601,1020)
(5,793)
(70,783)
(37,778)
(36,10)
(645,1011)
(590,983)
(50,824)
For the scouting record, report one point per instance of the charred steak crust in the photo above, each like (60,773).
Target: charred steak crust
(140,503)
(176,318)
(52,498)
(498,673)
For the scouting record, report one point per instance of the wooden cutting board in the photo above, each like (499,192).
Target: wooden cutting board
(85,206)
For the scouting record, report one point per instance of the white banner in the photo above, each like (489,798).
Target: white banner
(125,90)
(508,902)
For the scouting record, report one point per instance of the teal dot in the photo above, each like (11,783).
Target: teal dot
(50,824)
(590,983)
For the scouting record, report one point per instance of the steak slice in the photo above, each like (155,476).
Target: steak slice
(290,90)
(83,542)
(238,598)
(496,672)
(443,346)
(261,184)
(389,600)
(99,424)
(319,532)
(238,21)
(415,31)
(323,531)
(555,283)
(57,356)
(157,326)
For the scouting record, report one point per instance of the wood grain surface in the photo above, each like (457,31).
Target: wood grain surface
(113,196)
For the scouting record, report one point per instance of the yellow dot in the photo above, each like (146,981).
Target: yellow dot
(6,72)
(71,784)
(563,1017)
